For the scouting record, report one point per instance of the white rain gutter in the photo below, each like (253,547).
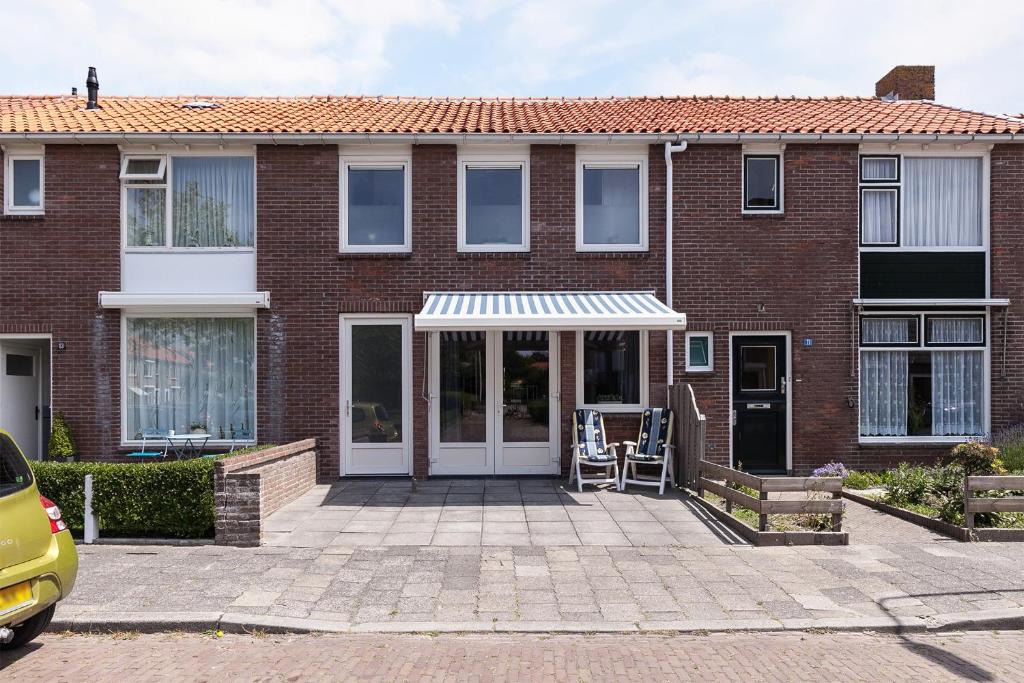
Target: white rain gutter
(670,149)
(457,138)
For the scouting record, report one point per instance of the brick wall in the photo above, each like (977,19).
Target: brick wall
(1007,238)
(802,266)
(311,283)
(51,268)
(250,487)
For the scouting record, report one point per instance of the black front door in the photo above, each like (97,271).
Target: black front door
(760,381)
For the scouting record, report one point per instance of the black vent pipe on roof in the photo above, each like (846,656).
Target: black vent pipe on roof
(92,83)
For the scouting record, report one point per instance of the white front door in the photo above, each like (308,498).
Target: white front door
(376,399)
(494,403)
(20,396)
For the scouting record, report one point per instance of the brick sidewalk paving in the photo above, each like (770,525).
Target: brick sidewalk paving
(844,657)
(618,587)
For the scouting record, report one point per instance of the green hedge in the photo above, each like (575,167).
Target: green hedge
(165,499)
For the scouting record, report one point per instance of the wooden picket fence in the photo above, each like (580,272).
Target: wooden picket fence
(973,506)
(689,436)
(710,472)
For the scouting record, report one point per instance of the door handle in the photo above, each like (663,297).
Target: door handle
(348,407)
(734,418)
(784,382)
(37,412)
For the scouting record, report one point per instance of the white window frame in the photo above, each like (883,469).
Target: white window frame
(384,162)
(10,208)
(774,151)
(621,160)
(644,376)
(876,186)
(158,175)
(922,347)
(184,315)
(519,161)
(904,152)
(127,181)
(710,367)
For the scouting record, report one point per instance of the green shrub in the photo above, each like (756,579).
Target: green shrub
(976,457)
(62,443)
(907,484)
(859,481)
(1010,443)
(166,499)
(64,484)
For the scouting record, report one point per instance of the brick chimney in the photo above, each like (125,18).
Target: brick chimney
(908,83)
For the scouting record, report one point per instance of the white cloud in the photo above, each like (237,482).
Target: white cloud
(222,46)
(510,47)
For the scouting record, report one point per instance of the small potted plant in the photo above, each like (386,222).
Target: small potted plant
(197,428)
(62,444)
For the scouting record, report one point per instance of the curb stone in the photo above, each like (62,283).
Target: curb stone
(154,622)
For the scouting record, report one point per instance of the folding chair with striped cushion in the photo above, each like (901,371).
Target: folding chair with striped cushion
(653,447)
(589,449)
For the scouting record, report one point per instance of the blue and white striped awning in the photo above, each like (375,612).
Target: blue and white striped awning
(546,311)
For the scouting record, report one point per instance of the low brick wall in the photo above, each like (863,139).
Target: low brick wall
(249,487)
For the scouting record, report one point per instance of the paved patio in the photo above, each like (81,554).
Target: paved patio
(379,556)
(489,512)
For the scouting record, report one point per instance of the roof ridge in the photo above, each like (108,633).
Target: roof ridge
(454,98)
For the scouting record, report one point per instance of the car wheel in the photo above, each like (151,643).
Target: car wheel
(28,630)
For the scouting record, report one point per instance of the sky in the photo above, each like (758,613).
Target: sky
(502,48)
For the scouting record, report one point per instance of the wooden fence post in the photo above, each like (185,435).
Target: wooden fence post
(762,517)
(968,513)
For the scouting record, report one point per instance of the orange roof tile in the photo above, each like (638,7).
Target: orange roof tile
(316,115)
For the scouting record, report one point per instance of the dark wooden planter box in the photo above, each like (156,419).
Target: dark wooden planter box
(773,537)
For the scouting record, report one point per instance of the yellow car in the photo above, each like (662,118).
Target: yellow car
(38,560)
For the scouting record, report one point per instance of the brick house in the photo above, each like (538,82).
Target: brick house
(430,287)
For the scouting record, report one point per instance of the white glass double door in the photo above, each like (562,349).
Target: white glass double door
(494,402)
(376,395)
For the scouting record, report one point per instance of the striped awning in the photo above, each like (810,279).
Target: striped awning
(546,311)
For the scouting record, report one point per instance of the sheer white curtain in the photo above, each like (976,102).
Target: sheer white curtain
(957,393)
(956,330)
(883,393)
(877,330)
(190,371)
(878,216)
(213,201)
(883,378)
(942,201)
(878,168)
(958,377)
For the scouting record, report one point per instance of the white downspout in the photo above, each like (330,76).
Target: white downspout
(670,149)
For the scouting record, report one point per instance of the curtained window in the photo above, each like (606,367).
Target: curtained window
(922,202)
(190,373)
(879,209)
(942,202)
(212,201)
(937,388)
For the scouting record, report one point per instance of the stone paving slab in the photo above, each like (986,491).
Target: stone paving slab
(453,553)
(572,585)
(461,657)
(490,512)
